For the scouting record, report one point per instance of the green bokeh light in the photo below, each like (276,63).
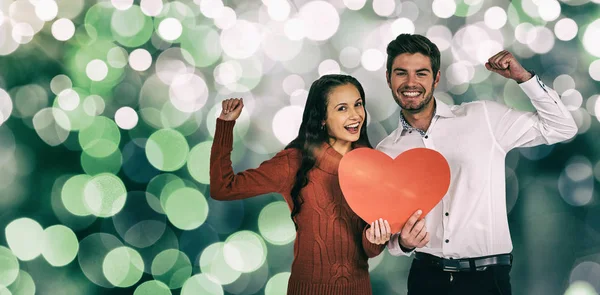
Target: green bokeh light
(24,237)
(245,251)
(581,288)
(152,288)
(9,267)
(96,165)
(186,208)
(101,138)
(277,284)
(123,267)
(72,119)
(201,284)
(156,186)
(167,150)
(72,195)
(24,285)
(212,262)
(60,245)
(131,27)
(275,224)
(105,195)
(98,20)
(172,267)
(202,42)
(198,162)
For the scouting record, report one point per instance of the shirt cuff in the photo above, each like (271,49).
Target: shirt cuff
(534,88)
(394,246)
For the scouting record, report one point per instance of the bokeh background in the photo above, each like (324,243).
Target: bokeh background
(107,114)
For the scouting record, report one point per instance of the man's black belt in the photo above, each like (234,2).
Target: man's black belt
(464,264)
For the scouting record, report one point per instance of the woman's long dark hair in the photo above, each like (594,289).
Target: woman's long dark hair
(312,135)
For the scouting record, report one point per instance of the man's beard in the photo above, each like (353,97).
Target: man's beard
(417,108)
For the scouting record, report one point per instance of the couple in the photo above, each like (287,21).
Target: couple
(464,243)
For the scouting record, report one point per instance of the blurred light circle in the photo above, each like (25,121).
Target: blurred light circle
(522,32)
(9,267)
(138,224)
(93,105)
(349,57)
(24,285)
(22,33)
(590,104)
(29,100)
(250,283)
(594,70)
(565,29)
(242,40)
(278,10)
(68,99)
(122,4)
(188,93)
(321,20)
(245,251)
(96,70)
(228,72)
(278,47)
(210,8)
(441,36)
(549,10)
(174,63)
(167,149)
(443,8)
(299,97)
(540,40)
(200,42)
(198,162)
(212,263)
(563,83)
(63,29)
(582,119)
(372,59)
(495,17)
(572,99)
(60,83)
(135,163)
(126,118)
(131,27)
(286,123)
(329,66)
(295,29)
(576,182)
(24,236)
(585,272)
(581,288)
(460,73)
(384,7)
(278,284)
(172,267)
(226,19)
(403,26)
(47,127)
(46,10)
(156,187)
(104,195)
(123,267)
(101,138)
(536,153)
(92,250)
(8,44)
(275,224)
(590,41)
(152,288)
(186,208)
(117,57)
(292,83)
(151,7)
(6,106)
(23,12)
(168,240)
(201,284)
(60,245)
(355,4)
(7,145)
(170,29)
(140,59)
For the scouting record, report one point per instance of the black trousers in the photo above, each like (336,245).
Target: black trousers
(426,280)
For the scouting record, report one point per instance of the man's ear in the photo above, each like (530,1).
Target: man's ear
(387,78)
(437,79)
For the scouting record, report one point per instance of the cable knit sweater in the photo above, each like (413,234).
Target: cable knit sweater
(331,249)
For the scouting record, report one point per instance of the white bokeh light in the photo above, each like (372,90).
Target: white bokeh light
(22,33)
(443,8)
(350,57)
(242,40)
(321,20)
(122,4)
(188,93)
(96,70)
(60,83)
(279,10)
(63,29)
(170,29)
(211,8)
(572,99)
(495,17)
(522,32)
(126,118)
(292,83)
(140,59)
(440,36)
(228,72)
(540,40)
(403,26)
(151,7)
(565,29)
(384,7)
(226,19)
(294,29)
(46,10)
(460,73)
(355,4)
(286,123)
(329,66)
(594,70)
(6,106)
(591,41)
(68,99)
(563,83)
(372,59)
(549,10)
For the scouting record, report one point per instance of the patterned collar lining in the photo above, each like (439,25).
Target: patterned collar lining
(407,126)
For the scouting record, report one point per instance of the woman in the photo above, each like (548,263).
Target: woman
(332,243)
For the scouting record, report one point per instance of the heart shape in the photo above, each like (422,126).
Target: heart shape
(375,186)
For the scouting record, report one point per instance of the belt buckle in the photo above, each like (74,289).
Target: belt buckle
(449,268)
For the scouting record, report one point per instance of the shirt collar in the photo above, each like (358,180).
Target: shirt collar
(441,109)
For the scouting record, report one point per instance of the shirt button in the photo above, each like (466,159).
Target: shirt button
(447,214)
(447,241)
(410,131)
(426,136)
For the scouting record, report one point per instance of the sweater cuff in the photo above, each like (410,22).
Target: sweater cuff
(224,133)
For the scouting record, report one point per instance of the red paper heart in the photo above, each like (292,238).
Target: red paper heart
(375,186)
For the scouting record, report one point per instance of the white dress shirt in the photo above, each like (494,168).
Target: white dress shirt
(471,220)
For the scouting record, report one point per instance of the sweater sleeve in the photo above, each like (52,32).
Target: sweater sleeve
(270,177)
(371,249)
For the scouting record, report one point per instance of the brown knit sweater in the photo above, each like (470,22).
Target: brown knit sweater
(331,249)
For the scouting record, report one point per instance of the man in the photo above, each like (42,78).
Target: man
(464,243)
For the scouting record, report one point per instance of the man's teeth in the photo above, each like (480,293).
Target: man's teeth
(411,94)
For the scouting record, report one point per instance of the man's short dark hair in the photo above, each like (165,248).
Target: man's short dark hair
(413,43)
